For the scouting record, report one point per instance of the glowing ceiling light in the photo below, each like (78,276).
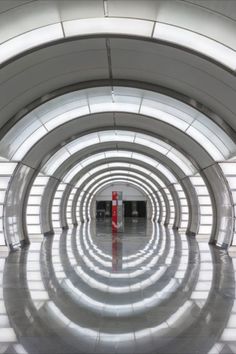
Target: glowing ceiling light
(29,40)
(197,42)
(108,25)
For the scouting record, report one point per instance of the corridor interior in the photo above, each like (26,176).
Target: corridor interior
(131,99)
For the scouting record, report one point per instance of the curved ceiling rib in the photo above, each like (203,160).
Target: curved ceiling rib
(154,23)
(144,186)
(78,169)
(145,182)
(132,156)
(141,173)
(38,123)
(97,187)
(117,136)
(84,177)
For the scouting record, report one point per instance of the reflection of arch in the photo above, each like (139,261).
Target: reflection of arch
(52,312)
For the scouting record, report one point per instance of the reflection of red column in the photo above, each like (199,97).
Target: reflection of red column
(114,211)
(115,227)
(114,252)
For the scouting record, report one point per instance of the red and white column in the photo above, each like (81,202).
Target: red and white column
(117,212)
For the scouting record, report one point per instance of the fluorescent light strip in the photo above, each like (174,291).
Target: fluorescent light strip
(28,143)
(33,222)
(120,26)
(119,174)
(197,42)
(116,179)
(156,105)
(124,26)
(117,154)
(30,40)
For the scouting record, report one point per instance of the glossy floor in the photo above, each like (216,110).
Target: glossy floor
(147,290)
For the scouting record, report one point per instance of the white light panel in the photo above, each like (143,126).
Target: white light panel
(108,25)
(155,105)
(30,40)
(196,42)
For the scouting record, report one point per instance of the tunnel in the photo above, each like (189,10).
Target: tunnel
(128,96)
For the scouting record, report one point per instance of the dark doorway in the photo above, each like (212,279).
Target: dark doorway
(127,209)
(140,209)
(103,209)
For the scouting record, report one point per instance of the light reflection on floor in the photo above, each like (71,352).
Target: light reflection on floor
(148,290)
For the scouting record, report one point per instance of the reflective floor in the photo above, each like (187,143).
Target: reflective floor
(147,290)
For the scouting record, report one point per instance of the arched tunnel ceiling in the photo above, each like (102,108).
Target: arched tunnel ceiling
(128,183)
(121,173)
(213,87)
(70,69)
(136,170)
(63,64)
(118,138)
(177,162)
(47,117)
(130,155)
